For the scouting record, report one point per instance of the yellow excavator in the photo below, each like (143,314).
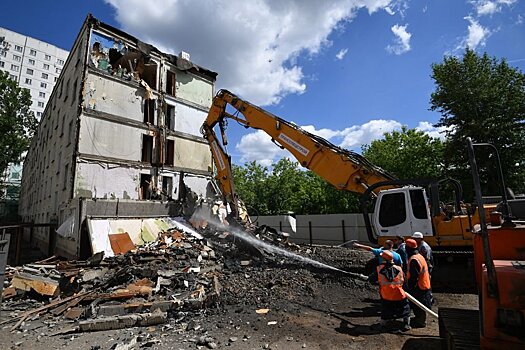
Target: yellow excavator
(401,206)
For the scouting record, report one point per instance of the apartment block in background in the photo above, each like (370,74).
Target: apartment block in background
(34,64)
(119,138)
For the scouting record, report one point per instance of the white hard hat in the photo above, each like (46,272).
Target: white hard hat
(417,235)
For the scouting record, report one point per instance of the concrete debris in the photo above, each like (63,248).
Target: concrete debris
(170,281)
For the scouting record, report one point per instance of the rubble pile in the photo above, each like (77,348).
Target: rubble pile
(174,281)
(175,273)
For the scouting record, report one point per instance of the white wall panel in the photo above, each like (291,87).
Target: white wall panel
(104,138)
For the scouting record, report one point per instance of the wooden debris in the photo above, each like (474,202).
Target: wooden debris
(41,285)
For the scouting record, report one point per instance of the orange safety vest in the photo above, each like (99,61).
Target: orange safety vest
(423,281)
(391,290)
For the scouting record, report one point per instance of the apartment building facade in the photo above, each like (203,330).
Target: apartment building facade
(119,137)
(34,64)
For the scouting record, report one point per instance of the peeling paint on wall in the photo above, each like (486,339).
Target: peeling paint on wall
(114,97)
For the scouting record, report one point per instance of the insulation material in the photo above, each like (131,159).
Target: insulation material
(111,235)
(194,89)
(67,229)
(113,97)
(104,138)
(104,181)
(192,155)
(189,119)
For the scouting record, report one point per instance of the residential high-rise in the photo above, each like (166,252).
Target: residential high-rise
(34,64)
(119,138)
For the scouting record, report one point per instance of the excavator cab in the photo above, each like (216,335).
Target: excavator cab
(401,211)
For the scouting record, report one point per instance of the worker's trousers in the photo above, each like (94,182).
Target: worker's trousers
(425,298)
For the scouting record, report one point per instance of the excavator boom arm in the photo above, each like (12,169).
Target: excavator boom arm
(344,169)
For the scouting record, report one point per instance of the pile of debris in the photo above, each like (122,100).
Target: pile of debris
(173,281)
(175,273)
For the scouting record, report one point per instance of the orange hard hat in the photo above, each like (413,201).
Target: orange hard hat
(387,255)
(411,243)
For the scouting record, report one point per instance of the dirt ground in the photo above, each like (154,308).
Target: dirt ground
(308,309)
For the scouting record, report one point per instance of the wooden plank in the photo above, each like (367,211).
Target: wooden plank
(41,285)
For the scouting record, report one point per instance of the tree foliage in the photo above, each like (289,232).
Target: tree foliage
(408,154)
(288,188)
(482,98)
(17,122)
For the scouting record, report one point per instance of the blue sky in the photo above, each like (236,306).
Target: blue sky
(348,70)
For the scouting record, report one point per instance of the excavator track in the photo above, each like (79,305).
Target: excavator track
(459,328)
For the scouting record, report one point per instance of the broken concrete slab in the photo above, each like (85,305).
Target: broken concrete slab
(125,321)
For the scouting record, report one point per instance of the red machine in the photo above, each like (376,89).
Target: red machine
(499,257)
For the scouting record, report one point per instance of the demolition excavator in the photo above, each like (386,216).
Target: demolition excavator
(401,206)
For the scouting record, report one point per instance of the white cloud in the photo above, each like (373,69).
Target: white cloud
(490,7)
(402,40)
(341,54)
(259,147)
(357,135)
(253,45)
(430,130)
(477,34)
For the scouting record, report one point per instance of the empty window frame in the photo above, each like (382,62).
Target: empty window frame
(167,186)
(147,148)
(170,83)
(169,121)
(170,152)
(149,111)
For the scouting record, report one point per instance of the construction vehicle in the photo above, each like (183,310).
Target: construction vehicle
(401,206)
(499,259)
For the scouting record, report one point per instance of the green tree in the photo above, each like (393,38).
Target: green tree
(288,187)
(482,98)
(250,183)
(17,122)
(408,154)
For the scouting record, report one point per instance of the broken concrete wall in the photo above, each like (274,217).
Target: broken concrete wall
(330,229)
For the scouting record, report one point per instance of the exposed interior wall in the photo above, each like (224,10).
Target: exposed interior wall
(109,139)
(193,88)
(192,155)
(189,119)
(103,180)
(114,97)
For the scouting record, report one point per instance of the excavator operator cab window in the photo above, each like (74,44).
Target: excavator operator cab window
(392,210)
(419,206)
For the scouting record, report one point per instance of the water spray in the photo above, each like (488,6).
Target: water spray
(237,233)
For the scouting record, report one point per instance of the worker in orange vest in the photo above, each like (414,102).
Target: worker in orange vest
(418,282)
(394,302)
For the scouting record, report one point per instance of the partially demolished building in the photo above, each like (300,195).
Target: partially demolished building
(119,138)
